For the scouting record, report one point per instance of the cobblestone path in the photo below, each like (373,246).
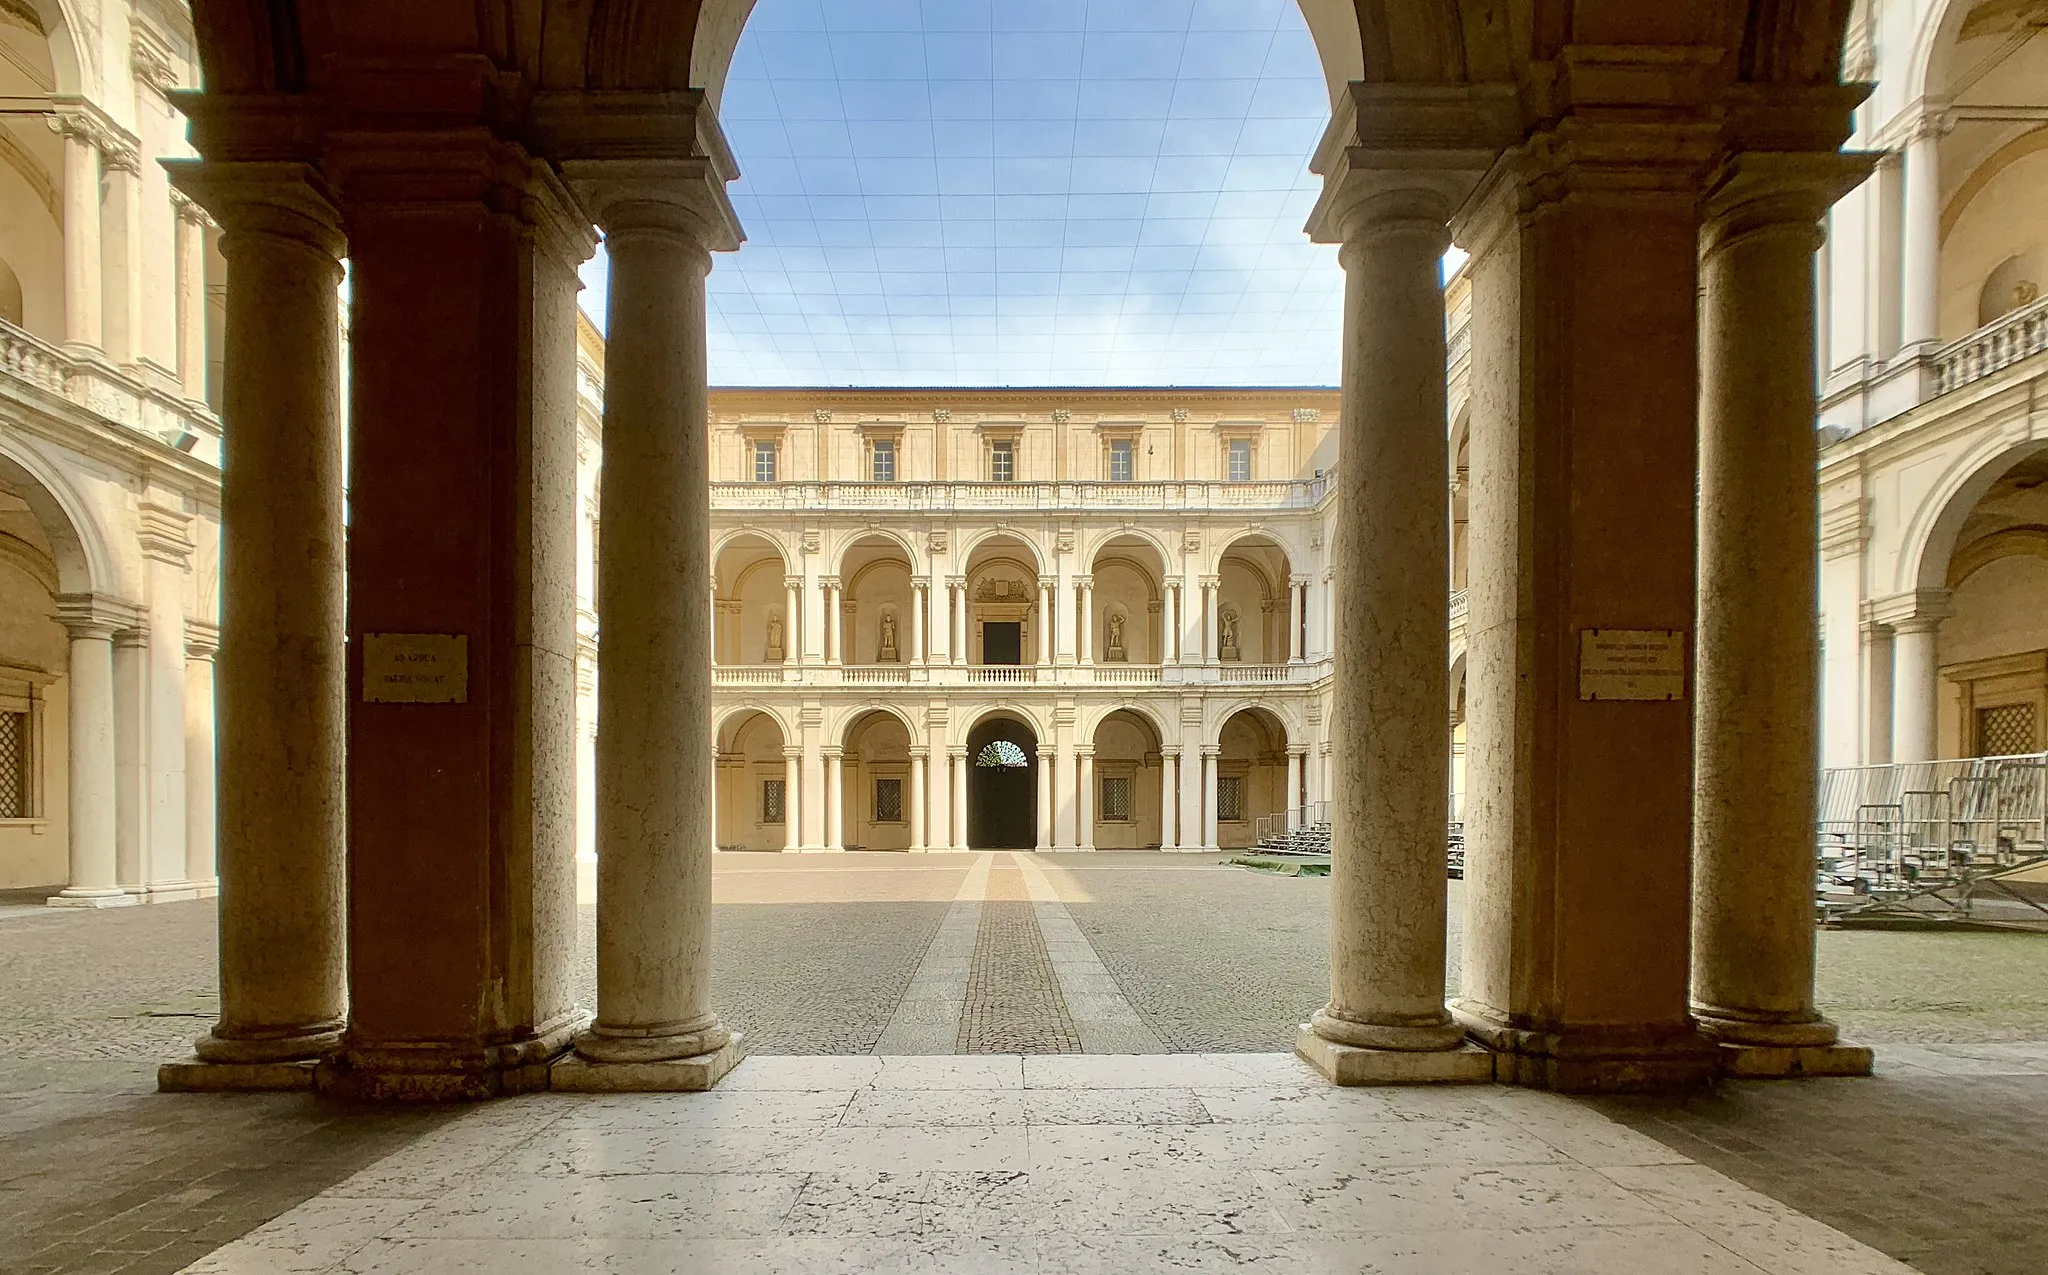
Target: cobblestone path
(1013,1003)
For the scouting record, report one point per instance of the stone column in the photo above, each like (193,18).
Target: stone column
(792,636)
(91,620)
(1063,793)
(661,219)
(1084,611)
(191,238)
(1084,804)
(1391,543)
(919,758)
(1295,757)
(1210,753)
(1920,247)
(1169,623)
(813,793)
(1211,644)
(835,798)
(131,757)
(279,677)
(166,550)
(83,300)
(835,622)
(1042,772)
(201,797)
(920,598)
(123,169)
(1757,720)
(792,808)
(956,762)
(1169,798)
(956,589)
(1915,686)
(1045,587)
(1297,586)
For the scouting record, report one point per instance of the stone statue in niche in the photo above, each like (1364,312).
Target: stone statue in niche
(1227,622)
(1113,645)
(774,652)
(887,653)
(2025,293)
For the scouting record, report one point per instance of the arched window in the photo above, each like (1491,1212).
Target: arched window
(1001,752)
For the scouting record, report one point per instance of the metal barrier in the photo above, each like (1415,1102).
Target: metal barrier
(1931,839)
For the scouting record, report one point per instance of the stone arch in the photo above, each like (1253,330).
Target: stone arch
(1002,798)
(877,599)
(1930,538)
(1126,619)
(57,24)
(1251,745)
(1254,571)
(2017,542)
(843,727)
(851,540)
(78,544)
(875,778)
(973,543)
(751,624)
(1002,570)
(730,715)
(753,803)
(1127,764)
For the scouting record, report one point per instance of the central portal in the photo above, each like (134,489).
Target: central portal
(1002,787)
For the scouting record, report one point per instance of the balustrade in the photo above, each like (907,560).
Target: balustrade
(1992,348)
(108,393)
(977,497)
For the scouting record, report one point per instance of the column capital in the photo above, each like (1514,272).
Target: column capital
(1914,612)
(1086,751)
(643,162)
(1048,582)
(920,752)
(1211,582)
(828,582)
(921,583)
(164,534)
(792,752)
(1298,581)
(956,582)
(285,199)
(77,118)
(132,637)
(1211,751)
(94,615)
(1084,581)
(956,750)
(202,639)
(1407,154)
(792,582)
(1170,752)
(1301,750)
(1759,190)
(832,752)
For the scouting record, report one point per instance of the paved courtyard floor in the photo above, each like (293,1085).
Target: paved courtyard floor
(910,1160)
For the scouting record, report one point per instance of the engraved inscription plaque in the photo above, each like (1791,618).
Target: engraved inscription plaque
(1639,664)
(415,668)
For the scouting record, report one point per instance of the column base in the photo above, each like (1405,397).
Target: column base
(1594,1059)
(1795,1062)
(182,891)
(577,1074)
(1348,1065)
(196,1075)
(447,1073)
(110,897)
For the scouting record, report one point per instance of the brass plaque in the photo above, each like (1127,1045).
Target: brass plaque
(1639,664)
(415,668)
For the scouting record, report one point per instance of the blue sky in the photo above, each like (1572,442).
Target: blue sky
(1058,192)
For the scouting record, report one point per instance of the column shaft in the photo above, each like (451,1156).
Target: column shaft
(835,800)
(1043,773)
(919,595)
(1294,798)
(1169,800)
(165,548)
(90,765)
(1210,644)
(1044,626)
(1915,684)
(958,596)
(654,743)
(792,636)
(1084,804)
(191,234)
(1294,609)
(1391,543)
(1208,800)
(957,763)
(83,300)
(1757,722)
(792,806)
(279,677)
(1169,625)
(1084,609)
(918,761)
(1920,284)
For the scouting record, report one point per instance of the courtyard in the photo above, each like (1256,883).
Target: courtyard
(989,1152)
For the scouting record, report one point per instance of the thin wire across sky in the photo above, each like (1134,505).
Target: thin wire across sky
(1067,192)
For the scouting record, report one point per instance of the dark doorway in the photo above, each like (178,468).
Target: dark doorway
(1002,643)
(1002,785)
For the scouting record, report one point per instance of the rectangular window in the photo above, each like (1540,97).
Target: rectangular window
(14,786)
(764,461)
(1230,799)
(1120,466)
(883,468)
(888,801)
(1002,462)
(1116,799)
(1240,460)
(2005,731)
(774,800)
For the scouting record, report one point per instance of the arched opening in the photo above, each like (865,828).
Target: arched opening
(1251,776)
(752,618)
(876,792)
(1125,624)
(1002,785)
(1127,793)
(876,601)
(1004,626)
(1992,648)
(756,809)
(1252,608)
(33,49)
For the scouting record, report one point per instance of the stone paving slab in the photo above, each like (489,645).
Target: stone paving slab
(836,1172)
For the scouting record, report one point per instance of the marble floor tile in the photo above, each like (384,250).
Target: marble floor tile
(1749,1223)
(798,1072)
(628,1206)
(951,1071)
(756,1109)
(1155,1071)
(1598,1250)
(1441,1197)
(312,1237)
(908,1108)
